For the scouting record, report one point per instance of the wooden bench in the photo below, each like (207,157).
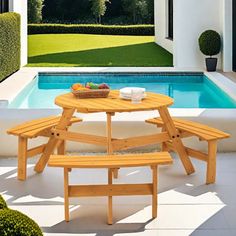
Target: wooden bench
(186,129)
(30,130)
(111,162)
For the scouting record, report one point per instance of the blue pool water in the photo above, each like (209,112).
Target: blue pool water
(189,90)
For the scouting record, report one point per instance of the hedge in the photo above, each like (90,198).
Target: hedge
(9,44)
(90,29)
(15,223)
(3,204)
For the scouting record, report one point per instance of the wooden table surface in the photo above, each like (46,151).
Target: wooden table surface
(113,103)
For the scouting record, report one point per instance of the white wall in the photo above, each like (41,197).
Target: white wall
(20,6)
(161,23)
(191,18)
(227,35)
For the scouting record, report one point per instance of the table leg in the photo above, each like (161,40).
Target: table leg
(176,140)
(52,143)
(109,216)
(109,138)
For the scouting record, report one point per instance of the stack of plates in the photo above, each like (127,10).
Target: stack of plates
(126,92)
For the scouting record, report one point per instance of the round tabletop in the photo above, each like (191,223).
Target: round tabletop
(112,103)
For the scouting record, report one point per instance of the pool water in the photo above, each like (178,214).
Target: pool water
(189,90)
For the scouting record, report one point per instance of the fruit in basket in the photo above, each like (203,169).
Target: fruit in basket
(94,86)
(91,85)
(77,86)
(103,86)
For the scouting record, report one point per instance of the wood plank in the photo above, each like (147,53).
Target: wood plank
(122,144)
(176,141)
(211,162)
(112,161)
(202,131)
(38,126)
(22,158)
(51,145)
(66,194)
(109,142)
(154,191)
(107,164)
(113,103)
(29,124)
(36,132)
(161,156)
(197,154)
(33,128)
(110,200)
(35,151)
(110,190)
(109,134)
(79,137)
(191,152)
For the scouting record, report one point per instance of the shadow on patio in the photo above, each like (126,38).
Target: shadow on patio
(186,205)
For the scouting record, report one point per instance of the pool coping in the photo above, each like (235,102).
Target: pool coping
(17,82)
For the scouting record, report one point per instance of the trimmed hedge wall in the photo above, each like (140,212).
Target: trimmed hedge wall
(9,44)
(91,29)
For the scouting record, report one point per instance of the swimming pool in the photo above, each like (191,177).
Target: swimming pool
(189,90)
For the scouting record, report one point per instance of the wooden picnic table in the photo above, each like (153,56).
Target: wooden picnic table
(110,106)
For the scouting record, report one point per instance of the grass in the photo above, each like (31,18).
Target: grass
(95,50)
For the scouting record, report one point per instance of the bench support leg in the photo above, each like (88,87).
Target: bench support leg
(22,158)
(176,140)
(154,191)
(61,149)
(110,215)
(164,147)
(211,162)
(52,143)
(66,195)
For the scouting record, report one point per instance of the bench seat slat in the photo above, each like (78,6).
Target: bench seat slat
(110,161)
(31,123)
(202,131)
(33,128)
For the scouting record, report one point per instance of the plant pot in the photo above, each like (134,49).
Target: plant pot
(211,64)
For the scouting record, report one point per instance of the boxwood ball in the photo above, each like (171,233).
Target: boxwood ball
(15,223)
(210,43)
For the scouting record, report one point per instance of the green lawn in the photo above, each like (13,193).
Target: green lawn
(95,50)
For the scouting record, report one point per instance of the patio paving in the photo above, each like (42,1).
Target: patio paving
(186,205)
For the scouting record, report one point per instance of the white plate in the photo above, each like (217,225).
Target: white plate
(129,97)
(127,90)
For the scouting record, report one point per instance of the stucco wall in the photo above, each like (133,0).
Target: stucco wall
(227,35)
(20,6)
(161,23)
(191,18)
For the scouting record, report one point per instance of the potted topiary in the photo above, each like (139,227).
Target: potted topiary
(210,45)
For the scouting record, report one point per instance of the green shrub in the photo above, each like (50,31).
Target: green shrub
(91,29)
(35,11)
(14,223)
(3,204)
(210,43)
(9,44)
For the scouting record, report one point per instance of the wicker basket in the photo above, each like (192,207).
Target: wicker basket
(91,93)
